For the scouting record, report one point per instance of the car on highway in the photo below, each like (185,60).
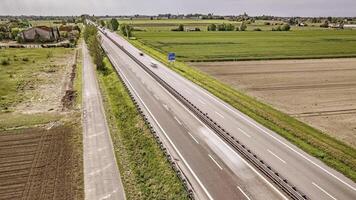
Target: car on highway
(154,64)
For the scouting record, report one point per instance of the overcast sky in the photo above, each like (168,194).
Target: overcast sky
(224,7)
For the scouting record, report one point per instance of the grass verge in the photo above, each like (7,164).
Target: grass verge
(145,172)
(334,153)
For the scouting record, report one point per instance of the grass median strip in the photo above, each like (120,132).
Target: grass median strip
(145,172)
(331,151)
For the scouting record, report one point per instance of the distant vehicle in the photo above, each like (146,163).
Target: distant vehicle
(154,64)
(141,54)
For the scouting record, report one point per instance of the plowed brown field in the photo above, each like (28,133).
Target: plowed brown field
(321,92)
(38,163)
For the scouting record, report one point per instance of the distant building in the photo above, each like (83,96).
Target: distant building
(350,26)
(40,34)
(335,25)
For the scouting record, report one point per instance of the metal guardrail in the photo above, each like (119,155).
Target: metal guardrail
(246,153)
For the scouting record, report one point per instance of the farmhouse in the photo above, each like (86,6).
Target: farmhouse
(40,34)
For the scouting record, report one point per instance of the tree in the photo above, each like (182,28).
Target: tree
(285,27)
(221,27)
(114,24)
(126,30)
(243,26)
(229,27)
(91,38)
(180,28)
(212,27)
(14,33)
(102,23)
(325,24)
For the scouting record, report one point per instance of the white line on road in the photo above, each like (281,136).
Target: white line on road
(165,106)
(180,123)
(323,191)
(215,161)
(275,138)
(193,138)
(243,160)
(201,101)
(243,132)
(248,198)
(276,156)
(219,114)
(238,155)
(168,138)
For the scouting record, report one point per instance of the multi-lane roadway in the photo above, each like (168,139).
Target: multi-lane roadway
(215,169)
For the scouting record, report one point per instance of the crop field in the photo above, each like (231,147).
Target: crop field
(40,134)
(39,164)
(168,24)
(321,93)
(251,45)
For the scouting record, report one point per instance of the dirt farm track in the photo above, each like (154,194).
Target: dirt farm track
(37,164)
(321,93)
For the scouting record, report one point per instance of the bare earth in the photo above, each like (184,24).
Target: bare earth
(321,93)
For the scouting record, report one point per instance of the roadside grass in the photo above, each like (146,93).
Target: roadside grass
(78,81)
(248,45)
(20,75)
(145,172)
(334,153)
(15,120)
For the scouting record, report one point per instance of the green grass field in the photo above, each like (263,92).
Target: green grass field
(250,45)
(167,24)
(19,69)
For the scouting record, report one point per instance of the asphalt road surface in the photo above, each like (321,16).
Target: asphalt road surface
(202,149)
(101,174)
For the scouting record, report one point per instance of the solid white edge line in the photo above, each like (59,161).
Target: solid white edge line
(248,198)
(243,132)
(275,155)
(219,115)
(323,191)
(278,140)
(188,82)
(193,137)
(243,160)
(168,138)
(215,161)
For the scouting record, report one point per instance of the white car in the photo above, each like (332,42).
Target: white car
(154,63)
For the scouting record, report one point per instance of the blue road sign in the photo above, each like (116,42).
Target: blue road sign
(171,56)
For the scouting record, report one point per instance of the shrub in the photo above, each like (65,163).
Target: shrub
(180,28)
(212,27)
(5,62)
(25,59)
(237,28)
(285,27)
(114,24)
(243,26)
(257,29)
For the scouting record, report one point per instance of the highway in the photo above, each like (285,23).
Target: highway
(216,169)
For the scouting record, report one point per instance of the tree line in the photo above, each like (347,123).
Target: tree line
(92,39)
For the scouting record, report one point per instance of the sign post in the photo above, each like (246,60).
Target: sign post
(171,57)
